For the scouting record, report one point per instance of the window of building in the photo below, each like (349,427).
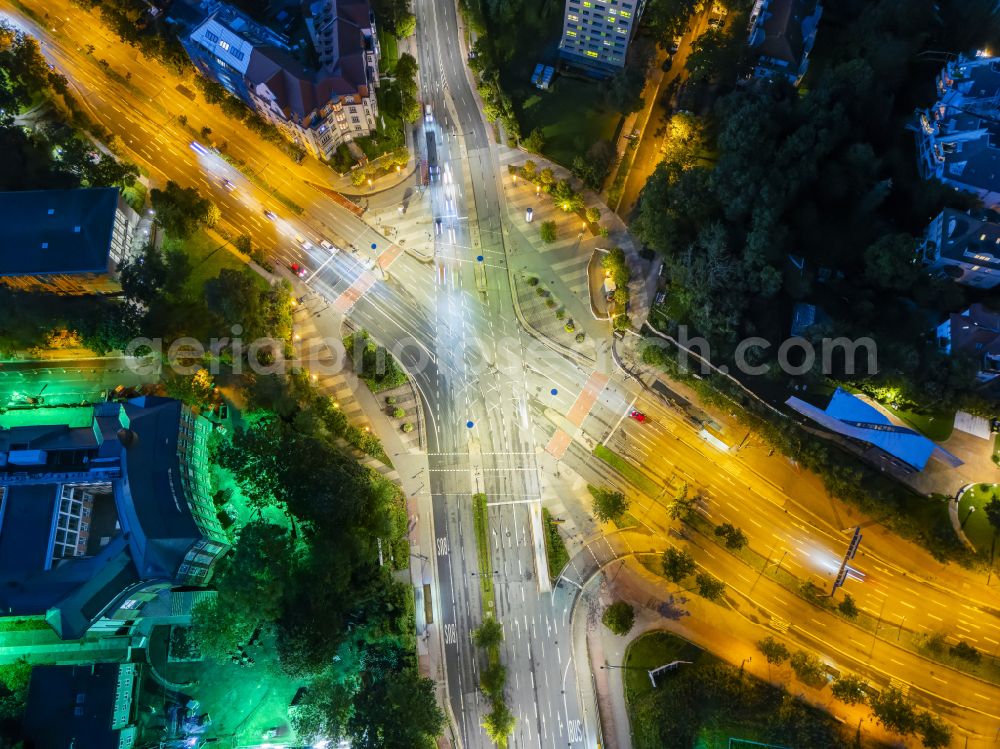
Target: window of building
(211,37)
(237,54)
(355,119)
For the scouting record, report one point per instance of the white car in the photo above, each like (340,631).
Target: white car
(529,215)
(270,215)
(428,115)
(437,227)
(329,246)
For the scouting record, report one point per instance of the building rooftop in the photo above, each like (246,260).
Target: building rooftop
(852,417)
(90,510)
(80,706)
(971,239)
(56,231)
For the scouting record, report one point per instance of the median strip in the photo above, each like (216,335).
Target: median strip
(481,523)
(633,475)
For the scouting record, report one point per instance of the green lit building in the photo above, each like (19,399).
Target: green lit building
(105,523)
(596,34)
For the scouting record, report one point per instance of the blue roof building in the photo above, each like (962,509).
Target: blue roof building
(851,417)
(98,521)
(64,241)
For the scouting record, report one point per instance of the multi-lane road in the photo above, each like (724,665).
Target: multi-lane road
(500,407)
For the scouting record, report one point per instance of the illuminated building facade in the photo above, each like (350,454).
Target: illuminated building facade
(596,34)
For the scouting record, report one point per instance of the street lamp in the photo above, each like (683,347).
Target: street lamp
(972,509)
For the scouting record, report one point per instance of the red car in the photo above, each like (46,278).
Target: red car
(637,415)
(298,270)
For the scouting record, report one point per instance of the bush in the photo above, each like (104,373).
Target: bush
(541,292)
(398,413)
(580,337)
(548,231)
(619,617)
(533,281)
(550,302)
(407,427)
(560,314)
(390,400)
(966,652)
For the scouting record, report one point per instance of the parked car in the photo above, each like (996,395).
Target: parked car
(529,215)
(428,114)
(437,227)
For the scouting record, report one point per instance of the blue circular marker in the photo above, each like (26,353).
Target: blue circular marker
(470,424)
(374,245)
(479,258)
(554,391)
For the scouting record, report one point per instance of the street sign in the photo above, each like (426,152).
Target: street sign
(852,549)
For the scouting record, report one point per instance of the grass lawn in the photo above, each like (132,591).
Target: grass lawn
(555,547)
(572,117)
(207,259)
(637,478)
(480,521)
(390,50)
(977,528)
(936,426)
(649,651)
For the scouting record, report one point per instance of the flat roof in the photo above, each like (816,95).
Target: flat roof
(56,231)
(25,528)
(71,416)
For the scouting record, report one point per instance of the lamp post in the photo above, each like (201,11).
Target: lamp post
(972,509)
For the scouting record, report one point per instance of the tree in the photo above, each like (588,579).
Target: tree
(406,24)
(546,178)
(893,711)
(619,617)
(499,723)
(709,587)
(806,666)
(492,680)
(218,628)
(566,197)
(734,537)
(966,652)
(934,732)
(677,564)
(681,508)
(992,510)
(850,690)
(535,141)
(489,634)
(848,607)
(593,214)
(243,243)
(623,91)
(609,506)
(548,231)
(212,215)
(891,262)
(179,210)
(395,710)
(774,651)
(194,390)
(530,170)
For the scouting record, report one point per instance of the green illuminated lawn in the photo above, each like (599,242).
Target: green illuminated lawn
(571,117)
(649,651)
(634,476)
(977,528)
(207,259)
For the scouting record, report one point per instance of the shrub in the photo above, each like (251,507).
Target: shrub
(533,281)
(407,427)
(540,291)
(390,400)
(398,413)
(619,617)
(580,337)
(550,302)
(560,314)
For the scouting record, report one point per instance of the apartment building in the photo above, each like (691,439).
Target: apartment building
(319,92)
(65,241)
(782,34)
(106,514)
(596,34)
(964,247)
(958,138)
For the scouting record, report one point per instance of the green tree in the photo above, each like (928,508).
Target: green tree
(535,141)
(406,25)
(850,690)
(548,231)
(179,210)
(546,177)
(489,634)
(218,629)
(966,652)
(806,666)
(677,564)
(709,587)
(848,607)
(212,215)
(733,536)
(530,170)
(609,506)
(243,243)
(893,711)
(395,711)
(593,214)
(619,617)
(492,680)
(934,732)
(623,91)
(891,262)
(681,508)
(774,651)
(499,723)
(992,510)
